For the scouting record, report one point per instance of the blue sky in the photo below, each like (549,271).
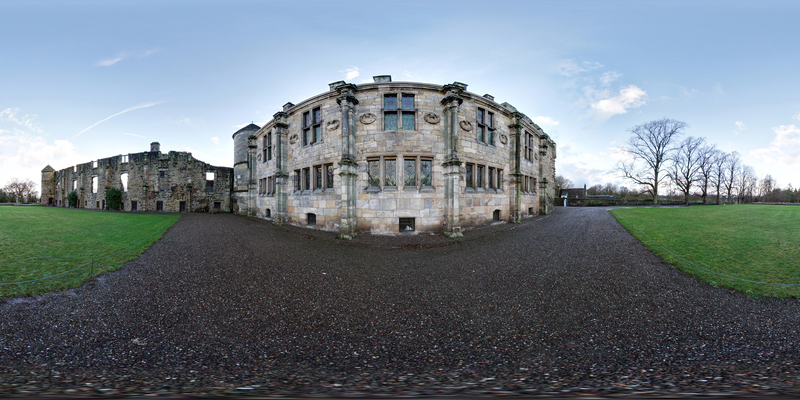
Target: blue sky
(82,80)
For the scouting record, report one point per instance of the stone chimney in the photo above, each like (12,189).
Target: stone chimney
(155,147)
(382,78)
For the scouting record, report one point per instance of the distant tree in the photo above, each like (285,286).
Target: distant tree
(765,188)
(733,165)
(685,164)
(562,182)
(609,189)
(3,196)
(594,190)
(113,198)
(718,172)
(706,172)
(21,189)
(746,182)
(72,199)
(650,148)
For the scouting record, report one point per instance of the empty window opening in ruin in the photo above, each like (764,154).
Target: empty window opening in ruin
(94,164)
(134,205)
(74,184)
(311,219)
(94,184)
(159,206)
(97,204)
(496,216)
(123,158)
(162,173)
(209,182)
(269,213)
(124,179)
(217,205)
(182,206)
(530,210)
(103,205)
(406,225)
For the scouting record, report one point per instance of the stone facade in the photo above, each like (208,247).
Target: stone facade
(390,157)
(150,181)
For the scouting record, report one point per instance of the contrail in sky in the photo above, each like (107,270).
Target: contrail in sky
(145,105)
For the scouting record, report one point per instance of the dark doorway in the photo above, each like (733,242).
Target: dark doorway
(159,206)
(183,206)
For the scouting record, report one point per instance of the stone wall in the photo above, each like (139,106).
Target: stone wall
(172,182)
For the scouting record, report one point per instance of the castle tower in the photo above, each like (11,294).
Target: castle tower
(48,186)
(243,173)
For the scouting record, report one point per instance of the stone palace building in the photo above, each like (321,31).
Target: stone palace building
(392,157)
(383,157)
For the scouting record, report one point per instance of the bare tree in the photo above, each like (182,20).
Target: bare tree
(718,172)
(683,170)
(745,183)
(22,189)
(651,145)
(765,188)
(706,169)
(562,182)
(733,163)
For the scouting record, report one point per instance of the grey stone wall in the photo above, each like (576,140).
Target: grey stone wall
(176,181)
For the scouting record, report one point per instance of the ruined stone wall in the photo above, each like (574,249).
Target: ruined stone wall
(379,207)
(172,182)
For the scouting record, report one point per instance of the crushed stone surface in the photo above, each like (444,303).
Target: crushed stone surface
(568,304)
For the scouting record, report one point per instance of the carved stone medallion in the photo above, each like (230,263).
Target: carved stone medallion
(431,118)
(258,157)
(367,118)
(503,139)
(333,125)
(465,125)
(293,139)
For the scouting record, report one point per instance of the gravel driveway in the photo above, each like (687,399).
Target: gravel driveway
(568,303)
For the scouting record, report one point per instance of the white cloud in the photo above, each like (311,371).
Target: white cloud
(23,156)
(609,77)
(184,121)
(145,105)
(123,55)
(134,135)
(740,126)
(545,121)
(10,115)
(215,140)
(351,73)
(796,116)
(571,68)
(629,97)
(784,148)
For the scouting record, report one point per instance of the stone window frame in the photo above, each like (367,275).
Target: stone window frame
(328,171)
(312,125)
(399,110)
(480,180)
(306,180)
(528,144)
(484,126)
(400,178)
(95,184)
(298,183)
(266,147)
(124,183)
(124,158)
(318,179)
(94,164)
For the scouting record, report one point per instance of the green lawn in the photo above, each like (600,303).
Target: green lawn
(750,242)
(36,242)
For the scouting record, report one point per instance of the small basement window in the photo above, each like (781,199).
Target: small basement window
(406,224)
(218,205)
(311,218)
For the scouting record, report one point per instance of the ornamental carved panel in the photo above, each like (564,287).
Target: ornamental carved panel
(293,139)
(333,125)
(503,139)
(465,125)
(431,118)
(367,118)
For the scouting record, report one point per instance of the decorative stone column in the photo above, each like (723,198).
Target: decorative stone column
(348,167)
(281,131)
(452,165)
(252,208)
(516,176)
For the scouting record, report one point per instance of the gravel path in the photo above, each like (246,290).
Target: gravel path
(564,304)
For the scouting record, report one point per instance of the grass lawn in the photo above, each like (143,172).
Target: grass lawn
(36,242)
(750,242)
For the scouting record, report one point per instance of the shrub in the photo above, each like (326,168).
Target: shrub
(113,198)
(72,199)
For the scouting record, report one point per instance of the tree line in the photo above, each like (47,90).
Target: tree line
(660,158)
(19,191)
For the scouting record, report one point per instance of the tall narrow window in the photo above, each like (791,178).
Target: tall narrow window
(410,172)
(94,184)
(409,123)
(312,126)
(306,179)
(481,125)
(209,182)
(306,128)
(499,178)
(297,181)
(390,172)
(425,172)
(491,178)
(468,176)
(374,173)
(268,147)
(318,178)
(124,179)
(329,176)
(490,128)
(317,125)
(390,112)
(479,177)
